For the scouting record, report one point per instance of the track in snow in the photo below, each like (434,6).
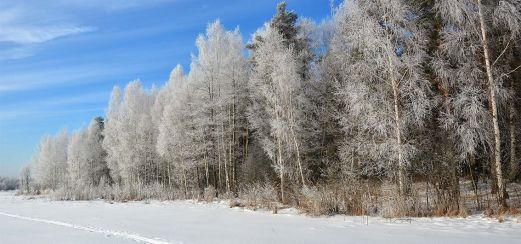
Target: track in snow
(90,229)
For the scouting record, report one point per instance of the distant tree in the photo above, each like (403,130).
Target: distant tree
(112,133)
(50,161)
(25,180)
(86,157)
(8,184)
(130,143)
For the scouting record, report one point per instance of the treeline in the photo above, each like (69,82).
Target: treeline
(8,184)
(348,115)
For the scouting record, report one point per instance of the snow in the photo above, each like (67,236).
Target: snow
(40,220)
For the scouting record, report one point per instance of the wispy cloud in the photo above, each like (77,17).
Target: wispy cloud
(38,34)
(112,4)
(16,53)
(22,27)
(37,79)
(52,106)
(33,114)
(78,74)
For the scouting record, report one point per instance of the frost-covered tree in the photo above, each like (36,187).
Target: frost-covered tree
(321,128)
(514,110)
(286,24)
(25,180)
(326,111)
(308,42)
(9,184)
(130,138)
(50,161)
(378,51)
(112,133)
(275,112)
(473,76)
(219,75)
(76,158)
(86,156)
(165,97)
(176,145)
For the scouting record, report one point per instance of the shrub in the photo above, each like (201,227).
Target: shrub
(209,194)
(258,195)
(344,197)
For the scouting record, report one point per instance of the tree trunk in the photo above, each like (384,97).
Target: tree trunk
(299,162)
(231,146)
(233,162)
(402,184)
(226,173)
(474,178)
(184,181)
(206,173)
(295,141)
(511,124)
(201,189)
(493,104)
(281,168)
(247,142)
(169,176)
(453,165)
(455,191)
(219,172)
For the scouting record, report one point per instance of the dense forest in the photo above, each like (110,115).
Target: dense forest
(389,107)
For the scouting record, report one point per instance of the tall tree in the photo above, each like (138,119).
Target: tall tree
(50,161)
(297,37)
(220,74)
(111,135)
(379,49)
(276,113)
(175,142)
(130,136)
(86,156)
(478,25)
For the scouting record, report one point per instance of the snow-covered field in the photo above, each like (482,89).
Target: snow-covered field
(43,221)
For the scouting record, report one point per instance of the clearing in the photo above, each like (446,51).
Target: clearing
(40,220)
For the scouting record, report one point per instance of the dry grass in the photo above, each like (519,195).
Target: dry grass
(255,196)
(209,194)
(350,197)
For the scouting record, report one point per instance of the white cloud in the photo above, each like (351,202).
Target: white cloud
(38,34)
(16,53)
(23,25)
(18,25)
(54,105)
(111,5)
(37,113)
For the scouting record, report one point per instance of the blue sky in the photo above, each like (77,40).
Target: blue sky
(59,59)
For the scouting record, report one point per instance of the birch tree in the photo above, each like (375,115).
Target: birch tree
(50,161)
(479,26)
(379,51)
(86,157)
(131,139)
(25,179)
(175,142)
(166,96)
(220,74)
(293,36)
(276,114)
(112,134)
